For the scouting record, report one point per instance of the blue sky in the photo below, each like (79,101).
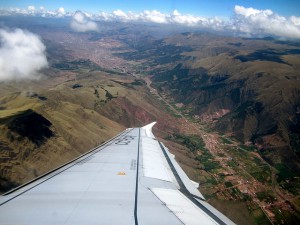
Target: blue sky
(208,8)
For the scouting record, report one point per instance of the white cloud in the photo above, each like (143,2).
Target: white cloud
(22,55)
(177,17)
(246,21)
(119,13)
(102,16)
(31,8)
(61,10)
(249,22)
(255,22)
(33,11)
(82,23)
(250,11)
(295,20)
(154,16)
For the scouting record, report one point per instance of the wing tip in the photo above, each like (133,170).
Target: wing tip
(148,129)
(149,126)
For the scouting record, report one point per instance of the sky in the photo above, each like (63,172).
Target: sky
(207,8)
(248,18)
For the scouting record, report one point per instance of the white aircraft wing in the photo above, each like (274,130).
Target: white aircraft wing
(131,179)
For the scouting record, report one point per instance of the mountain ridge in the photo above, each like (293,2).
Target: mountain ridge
(244,87)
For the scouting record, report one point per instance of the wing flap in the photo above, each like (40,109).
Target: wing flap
(188,184)
(182,207)
(154,165)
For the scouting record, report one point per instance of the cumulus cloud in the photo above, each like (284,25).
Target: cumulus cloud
(155,16)
(22,55)
(120,14)
(31,8)
(250,11)
(33,11)
(249,22)
(61,11)
(245,21)
(82,23)
(177,17)
(255,22)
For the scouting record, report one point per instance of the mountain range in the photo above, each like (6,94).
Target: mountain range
(246,88)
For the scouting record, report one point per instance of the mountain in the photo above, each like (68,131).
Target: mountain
(246,88)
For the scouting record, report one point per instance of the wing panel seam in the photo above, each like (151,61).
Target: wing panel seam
(137,180)
(166,206)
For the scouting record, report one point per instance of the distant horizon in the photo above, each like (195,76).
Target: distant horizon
(256,18)
(212,8)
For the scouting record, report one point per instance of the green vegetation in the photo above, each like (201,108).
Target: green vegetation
(287,216)
(163,53)
(295,142)
(77,65)
(247,197)
(259,170)
(209,165)
(283,173)
(192,142)
(262,174)
(260,217)
(197,146)
(83,65)
(231,163)
(168,109)
(226,140)
(259,162)
(249,148)
(136,82)
(228,184)
(266,196)
(212,181)
(255,166)
(292,185)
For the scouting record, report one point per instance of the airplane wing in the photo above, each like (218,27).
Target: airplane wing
(130,179)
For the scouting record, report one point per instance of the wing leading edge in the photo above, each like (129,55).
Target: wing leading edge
(131,179)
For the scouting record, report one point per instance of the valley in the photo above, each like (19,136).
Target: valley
(235,172)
